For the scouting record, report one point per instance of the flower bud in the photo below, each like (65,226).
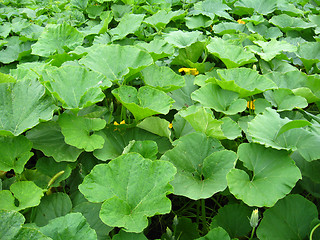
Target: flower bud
(254,219)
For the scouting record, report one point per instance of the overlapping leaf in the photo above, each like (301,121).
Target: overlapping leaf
(22,105)
(273,171)
(136,189)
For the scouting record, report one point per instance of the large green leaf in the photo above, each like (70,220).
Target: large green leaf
(161,18)
(263,7)
(265,129)
(72,226)
(202,120)
(75,87)
(307,86)
(116,139)
(116,62)
(22,195)
(273,174)
(230,54)
(156,125)
(287,23)
(271,49)
(22,105)
(15,152)
(136,189)
(144,102)
(309,53)
(290,218)
(15,50)
(221,100)
(129,23)
(80,132)
(57,38)
(245,81)
(11,227)
(284,99)
(51,206)
(162,78)
(234,218)
(211,8)
(202,166)
(182,39)
(47,137)
(157,48)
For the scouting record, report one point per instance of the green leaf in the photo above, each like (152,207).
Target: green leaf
(230,129)
(79,131)
(156,126)
(51,168)
(301,84)
(122,235)
(250,6)
(116,140)
(211,8)
(202,166)
(6,78)
(57,38)
(273,171)
(245,81)
(144,102)
(287,23)
(225,101)
(11,227)
(91,212)
(147,149)
(202,120)
(231,55)
(15,50)
(264,30)
(129,23)
(182,96)
(198,21)
(284,99)
(72,226)
(162,78)
(163,17)
(47,137)
(51,206)
(15,152)
(157,48)
(128,201)
(75,87)
(290,218)
(125,61)
(20,111)
(216,233)
(182,39)
(234,218)
(293,124)
(271,49)
(22,195)
(190,55)
(228,28)
(309,54)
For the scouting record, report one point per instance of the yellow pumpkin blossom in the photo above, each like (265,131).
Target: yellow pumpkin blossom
(170,125)
(116,123)
(250,104)
(192,71)
(241,22)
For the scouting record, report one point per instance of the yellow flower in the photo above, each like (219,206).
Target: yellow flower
(250,104)
(241,22)
(170,125)
(116,123)
(192,71)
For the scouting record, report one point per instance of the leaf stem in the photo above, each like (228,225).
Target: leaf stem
(203,217)
(313,229)
(252,233)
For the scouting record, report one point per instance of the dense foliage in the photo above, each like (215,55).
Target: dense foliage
(159,119)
